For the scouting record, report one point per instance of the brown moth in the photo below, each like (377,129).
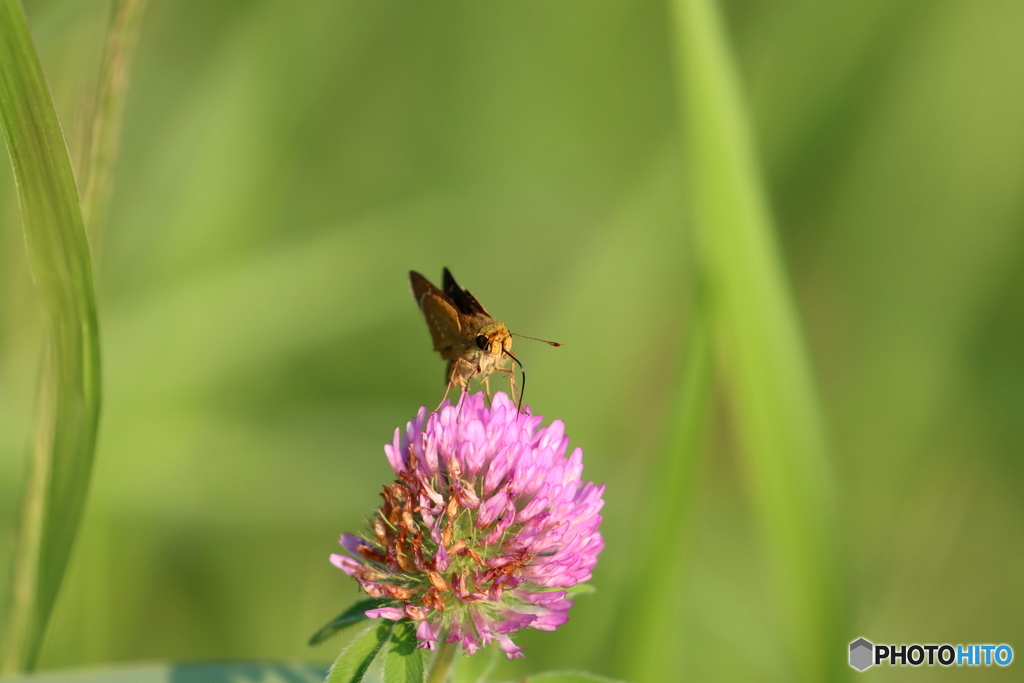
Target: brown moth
(464,333)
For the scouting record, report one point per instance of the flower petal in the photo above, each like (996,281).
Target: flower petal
(346,564)
(392,613)
(511,650)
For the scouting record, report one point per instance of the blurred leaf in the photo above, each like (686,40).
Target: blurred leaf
(566,677)
(354,661)
(105,136)
(765,362)
(648,643)
(222,672)
(572,591)
(353,615)
(70,392)
(475,669)
(403,662)
(580,589)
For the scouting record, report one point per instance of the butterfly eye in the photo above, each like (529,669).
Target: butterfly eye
(483,342)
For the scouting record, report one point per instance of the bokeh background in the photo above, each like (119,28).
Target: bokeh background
(284,164)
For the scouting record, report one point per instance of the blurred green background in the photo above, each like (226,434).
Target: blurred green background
(284,164)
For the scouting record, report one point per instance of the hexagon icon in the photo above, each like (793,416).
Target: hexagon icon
(861,652)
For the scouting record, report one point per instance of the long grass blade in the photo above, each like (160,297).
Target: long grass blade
(70,388)
(104,139)
(649,648)
(763,353)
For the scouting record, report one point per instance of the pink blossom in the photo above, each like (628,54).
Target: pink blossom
(487,524)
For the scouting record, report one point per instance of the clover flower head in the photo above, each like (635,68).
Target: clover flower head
(486,526)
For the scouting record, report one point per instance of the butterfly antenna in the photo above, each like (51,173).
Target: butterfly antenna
(523,336)
(522,389)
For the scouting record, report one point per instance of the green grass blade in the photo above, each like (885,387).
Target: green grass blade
(763,353)
(70,391)
(651,636)
(97,176)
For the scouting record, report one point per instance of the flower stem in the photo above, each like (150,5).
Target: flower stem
(442,666)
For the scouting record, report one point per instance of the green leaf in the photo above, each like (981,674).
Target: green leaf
(69,401)
(403,662)
(566,677)
(352,615)
(354,661)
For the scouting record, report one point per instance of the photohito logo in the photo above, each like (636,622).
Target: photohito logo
(863,654)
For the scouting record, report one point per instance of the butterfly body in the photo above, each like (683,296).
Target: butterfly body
(464,334)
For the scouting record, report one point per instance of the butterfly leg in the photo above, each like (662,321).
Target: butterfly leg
(444,398)
(487,387)
(460,371)
(512,385)
(510,374)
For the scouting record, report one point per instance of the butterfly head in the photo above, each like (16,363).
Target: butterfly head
(493,339)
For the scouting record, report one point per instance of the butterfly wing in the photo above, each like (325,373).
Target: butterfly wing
(439,312)
(421,285)
(463,300)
